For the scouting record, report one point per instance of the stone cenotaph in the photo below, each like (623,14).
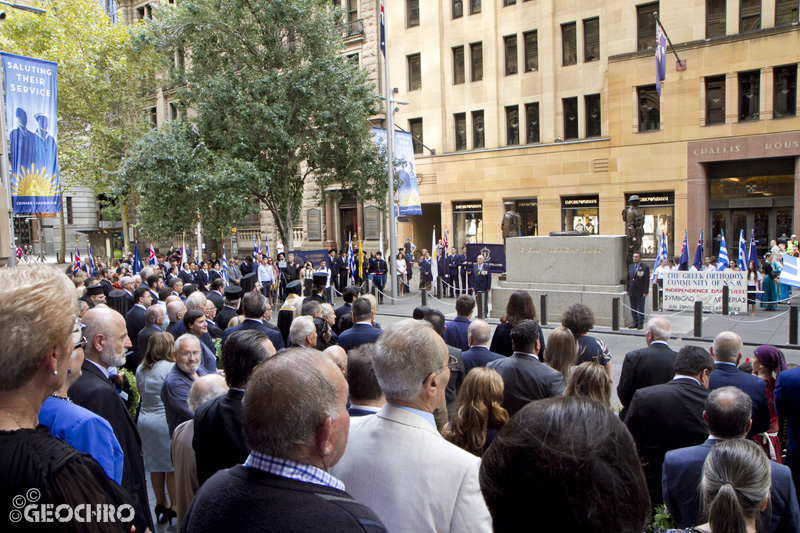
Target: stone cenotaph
(569,269)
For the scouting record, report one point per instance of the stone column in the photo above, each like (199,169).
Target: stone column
(330,240)
(696,202)
(360,220)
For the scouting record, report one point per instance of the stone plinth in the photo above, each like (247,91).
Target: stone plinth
(590,270)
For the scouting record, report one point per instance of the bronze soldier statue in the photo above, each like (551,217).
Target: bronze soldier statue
(634,227)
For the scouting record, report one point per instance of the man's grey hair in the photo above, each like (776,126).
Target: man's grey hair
(480,332)
(206,388)
(405,354)
(196,300)
(173,309)
(327,309)
(146,272)
(186,337)
(727,346)
(136,277)
(659,328)
(152,314)
(287,398)
(301,327)
(124,280)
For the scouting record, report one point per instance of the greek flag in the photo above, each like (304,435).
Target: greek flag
(742,251)
(663,253)
(266,245)
(351,260)
(184,259)
(789,273)
(224,265)
(753,253)
(722,258)
(90,263)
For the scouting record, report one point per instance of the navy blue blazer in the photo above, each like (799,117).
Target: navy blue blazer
(478,356)
(455,334)
(483,277)
(787,403)
(257,325)
(357,335)
(353,411)
(681,476)
(755,387)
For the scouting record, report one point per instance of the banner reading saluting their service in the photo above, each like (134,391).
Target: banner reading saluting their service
(31,116)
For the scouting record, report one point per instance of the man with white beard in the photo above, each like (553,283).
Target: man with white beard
(106,344)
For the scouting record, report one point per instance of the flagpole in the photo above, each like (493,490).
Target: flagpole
(681,64)
(389,156)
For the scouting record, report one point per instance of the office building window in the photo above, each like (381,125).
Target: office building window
(509,2)
(532,123)
(474,6)
(415,127)
(70,212)
(352,10)
(458,9)
(649,109)
(174,114)
(749,15)
(749,95)
(569,44)
(785,95)
(512,125)
(570,118)
(144,12)
(593,126)
(591,40)
(151,117)
(460,120)
(785,12)
(354,59)
(476,53)
(715,100)
(414,72)
(412,13)
(458,65)
(646,26)
(510,45)
(715,18)
(531,51)
(478,130)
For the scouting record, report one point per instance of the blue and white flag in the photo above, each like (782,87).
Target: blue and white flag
(255,250)
(663,253)
(351,260)
(184,257)
(722,258)
(789,272)
(698,253)
(31,87)
(661,57)
(266,245)
(752,254)
(90,262)
(742,251)
(224,265)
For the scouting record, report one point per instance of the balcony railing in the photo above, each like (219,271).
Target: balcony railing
(353,29)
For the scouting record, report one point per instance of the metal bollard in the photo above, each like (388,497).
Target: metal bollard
(793,325)
(726,293)
(481,295)
(698,319)
(543,309)
(424,294)
(374,290)
(654,292)
(439,287)
(615,314)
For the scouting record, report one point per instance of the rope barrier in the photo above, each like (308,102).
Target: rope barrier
(396,299)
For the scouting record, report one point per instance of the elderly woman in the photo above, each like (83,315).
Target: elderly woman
(579,319)
(38,333)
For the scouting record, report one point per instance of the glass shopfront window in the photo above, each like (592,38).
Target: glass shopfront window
(467,223)
(658,209)
(528,210)
(580,213)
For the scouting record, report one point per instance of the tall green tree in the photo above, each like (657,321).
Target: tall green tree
(276,102)
(104,72)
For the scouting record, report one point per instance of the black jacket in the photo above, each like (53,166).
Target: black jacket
(642,368)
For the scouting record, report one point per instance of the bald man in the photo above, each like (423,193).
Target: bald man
(648,366)
(478,334)
(727,352)
(338,356)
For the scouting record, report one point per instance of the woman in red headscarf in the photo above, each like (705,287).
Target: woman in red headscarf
(768,362)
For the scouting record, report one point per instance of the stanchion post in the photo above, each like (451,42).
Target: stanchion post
(726,292)
(481,295)
(654,292)
(615,314)
(438,286)
(793,325)
(543,309)
(424,294)
(698,319)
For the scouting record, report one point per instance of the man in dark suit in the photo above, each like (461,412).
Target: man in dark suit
(670,416)
(349,294)
(136,322)
(366,396)
(363,331)
(154,317)
(478,354)
(453,264)
(727,413)
(233,296)
(106,343)
(727,351)
(457,370)
(254,307)
(456,334)
(482,276)
(787,403)
(525,377)
(649,366)
(333,267)
(341,263)
(218,441)
(216,293)
(379,274)
(466,272)
(638,287)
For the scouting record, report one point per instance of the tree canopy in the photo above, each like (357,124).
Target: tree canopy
(275,102)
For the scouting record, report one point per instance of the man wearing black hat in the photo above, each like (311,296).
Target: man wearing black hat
(95,295)
(318,293)
(230,308)
(290,308)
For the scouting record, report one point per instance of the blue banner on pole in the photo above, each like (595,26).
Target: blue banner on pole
(407,192)
(494,255)
(31,115)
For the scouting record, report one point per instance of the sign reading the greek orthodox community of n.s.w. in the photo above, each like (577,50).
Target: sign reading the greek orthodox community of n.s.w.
(683,288)
(31,115)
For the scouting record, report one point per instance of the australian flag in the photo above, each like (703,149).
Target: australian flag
(698,253)
(661,57)
(683,262)
(383,29)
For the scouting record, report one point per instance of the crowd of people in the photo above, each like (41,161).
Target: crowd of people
(322,419)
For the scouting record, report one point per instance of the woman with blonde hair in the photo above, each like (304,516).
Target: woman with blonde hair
(591,381)
(562,351)
(478,414)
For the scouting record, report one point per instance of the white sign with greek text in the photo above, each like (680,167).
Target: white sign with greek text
(682,289)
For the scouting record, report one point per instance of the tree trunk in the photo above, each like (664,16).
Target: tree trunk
(288,225)
(124,212)
(63,251)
